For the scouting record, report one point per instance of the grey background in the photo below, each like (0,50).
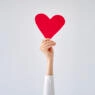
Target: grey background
(22,64)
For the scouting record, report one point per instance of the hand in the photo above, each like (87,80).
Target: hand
(47,49)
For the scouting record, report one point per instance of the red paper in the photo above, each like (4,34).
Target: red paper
(49,27)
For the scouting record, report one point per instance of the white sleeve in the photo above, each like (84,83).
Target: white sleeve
(48,85)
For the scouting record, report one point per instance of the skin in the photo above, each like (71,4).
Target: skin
(47,48)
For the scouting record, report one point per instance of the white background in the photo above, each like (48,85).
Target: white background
(22,64)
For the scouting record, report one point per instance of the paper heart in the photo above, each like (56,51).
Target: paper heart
(49,27)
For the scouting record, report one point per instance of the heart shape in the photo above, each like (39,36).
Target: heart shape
(49,27)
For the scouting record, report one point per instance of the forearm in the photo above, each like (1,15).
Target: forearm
(49,81)
(49,68)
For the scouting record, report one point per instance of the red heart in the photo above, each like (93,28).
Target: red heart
(49,27)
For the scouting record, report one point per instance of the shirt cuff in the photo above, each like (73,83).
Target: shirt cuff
(49,76)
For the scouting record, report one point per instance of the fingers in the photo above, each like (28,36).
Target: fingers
(47,43)
(47,39)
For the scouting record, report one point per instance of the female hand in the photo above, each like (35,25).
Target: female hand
(47,49)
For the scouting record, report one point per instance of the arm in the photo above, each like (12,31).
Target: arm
(46,48)
(49,67)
